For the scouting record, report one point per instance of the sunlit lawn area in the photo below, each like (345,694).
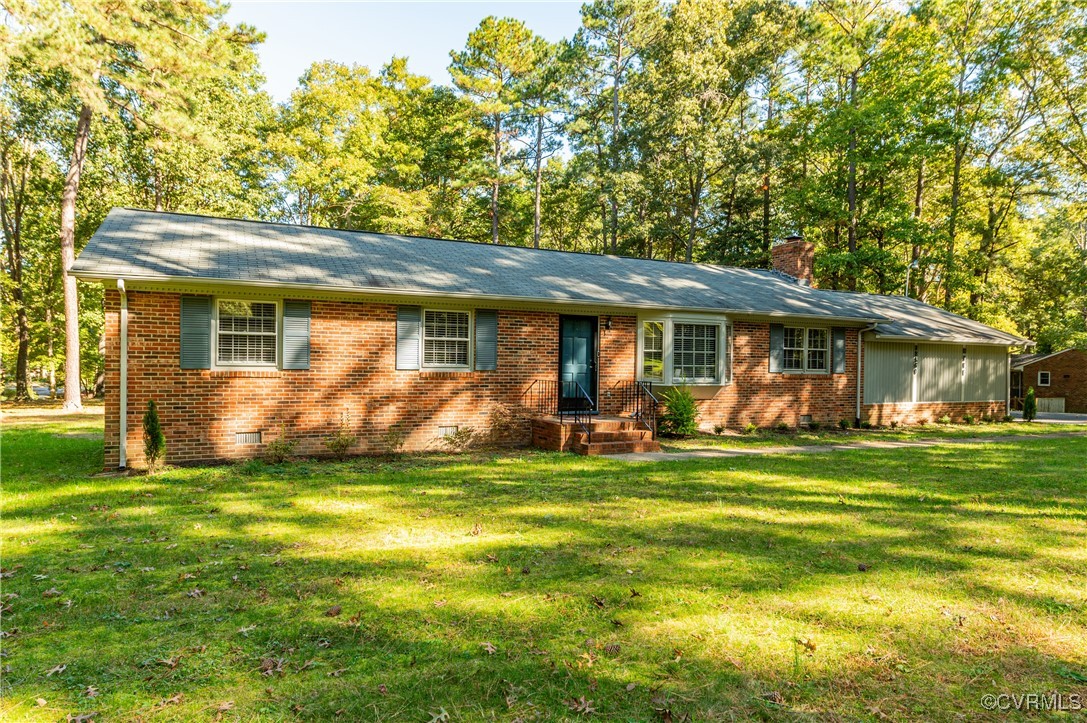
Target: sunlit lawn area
(853,585)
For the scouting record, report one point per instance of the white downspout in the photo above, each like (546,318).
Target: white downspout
(122,459)
(860,367)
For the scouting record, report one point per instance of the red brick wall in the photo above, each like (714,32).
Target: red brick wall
(759,397)
(907,413)
(353,372)
(1068,379)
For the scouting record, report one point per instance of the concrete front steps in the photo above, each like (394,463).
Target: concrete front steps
(610,435)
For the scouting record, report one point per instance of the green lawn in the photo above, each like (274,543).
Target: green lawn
(854,585)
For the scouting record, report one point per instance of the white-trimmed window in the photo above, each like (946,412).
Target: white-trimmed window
(694,353)
(1044,379)
(446,339)
(246,333)
(685,351)
(653,351)
(805,349)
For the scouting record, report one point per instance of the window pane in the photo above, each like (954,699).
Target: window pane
(794,359)
(247,332)
(445,338)
(817,349)
(817,359)
(694,352)
(653,350)
(794,337)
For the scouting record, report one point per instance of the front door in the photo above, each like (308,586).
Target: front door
(577,362)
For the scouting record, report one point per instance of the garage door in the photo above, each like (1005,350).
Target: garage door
(1051,404)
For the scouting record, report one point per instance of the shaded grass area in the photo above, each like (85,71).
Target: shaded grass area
(536,585)
(833,436)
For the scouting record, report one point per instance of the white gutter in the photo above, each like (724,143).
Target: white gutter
(860,366)
(122,459)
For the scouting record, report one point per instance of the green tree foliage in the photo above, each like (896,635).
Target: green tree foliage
(943,137)
(680,415)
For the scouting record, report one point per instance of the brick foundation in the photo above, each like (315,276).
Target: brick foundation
(908,413)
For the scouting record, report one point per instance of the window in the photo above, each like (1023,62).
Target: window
(694,352)
(685,351)
(445,339)
(246,333)
(653,350)
(805,349)
(1044,379)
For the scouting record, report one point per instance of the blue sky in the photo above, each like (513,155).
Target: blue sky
(369,32)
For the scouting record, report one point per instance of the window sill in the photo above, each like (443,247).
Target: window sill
(805,373)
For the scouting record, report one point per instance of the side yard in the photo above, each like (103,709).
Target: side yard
(864,584)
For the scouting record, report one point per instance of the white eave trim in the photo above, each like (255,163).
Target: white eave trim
(477,298)
(944,340)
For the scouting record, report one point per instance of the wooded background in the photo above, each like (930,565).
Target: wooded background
(950,135)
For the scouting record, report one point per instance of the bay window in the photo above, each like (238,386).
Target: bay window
(685,351)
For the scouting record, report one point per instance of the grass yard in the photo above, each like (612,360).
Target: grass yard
(853,585)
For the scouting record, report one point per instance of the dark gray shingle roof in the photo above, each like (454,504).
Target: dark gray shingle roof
(145,245)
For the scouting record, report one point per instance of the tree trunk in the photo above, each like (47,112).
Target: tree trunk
(539,181)
(696,198)
(72,397)
(497,177)
(952,222)
(50,351)
(617,73)
(766,171)
(12,196)
(851,192)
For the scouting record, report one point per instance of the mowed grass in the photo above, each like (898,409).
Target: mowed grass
(542,586)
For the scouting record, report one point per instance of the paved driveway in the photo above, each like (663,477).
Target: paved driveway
(1055,418)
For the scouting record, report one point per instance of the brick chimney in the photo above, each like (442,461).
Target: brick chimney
(796,257)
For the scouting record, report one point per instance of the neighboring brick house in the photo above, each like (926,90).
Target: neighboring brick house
(243,331)
(1059,380)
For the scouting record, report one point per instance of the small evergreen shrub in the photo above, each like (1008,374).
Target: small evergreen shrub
(1007,418)
(340,444)
(718,429)
(866,425)
(1030,406)
(782,426)
(923,421)
(814,426)
(843,424)
(154,441)
(280,449)
(968,419)
(751,428)
(946,419)
(680,416)
(894,424)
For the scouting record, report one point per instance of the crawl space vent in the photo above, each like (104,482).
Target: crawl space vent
(447,431)
(247,437)
(805,419)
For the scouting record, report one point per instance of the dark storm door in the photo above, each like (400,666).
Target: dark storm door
(577,362)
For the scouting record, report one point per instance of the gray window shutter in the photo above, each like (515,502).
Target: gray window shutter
(296,316)
(838,335)
(486,340)
(777,348)
(408,337)
(195,332)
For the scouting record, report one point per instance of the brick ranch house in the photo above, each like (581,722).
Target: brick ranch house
(242,331)
(1059,380)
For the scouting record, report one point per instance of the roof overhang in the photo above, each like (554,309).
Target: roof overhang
(1019,367)
(209,285)
(1010,341)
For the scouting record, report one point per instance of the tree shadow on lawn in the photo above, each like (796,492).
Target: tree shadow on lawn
(734,563)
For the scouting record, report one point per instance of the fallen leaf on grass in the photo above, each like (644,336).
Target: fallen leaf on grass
(333,611)
(580,705)
(490,648)
(337,672)
(225,706)
(91,691)
(312,663)
(271,666)
(440,717)
(41,702)
(598,601)
(172,700)
(81,718)
(631,686)
(58,670)
(383,689)
(440,603)
(612,648)
(773,697)
(247,629)
(195,592)
(52,592)
(807,644)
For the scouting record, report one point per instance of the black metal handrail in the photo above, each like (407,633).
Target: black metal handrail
(563,399)
(643,405)
(580,410)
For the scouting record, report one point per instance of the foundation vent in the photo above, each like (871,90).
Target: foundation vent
(448,431)
(805,419)
(247,438)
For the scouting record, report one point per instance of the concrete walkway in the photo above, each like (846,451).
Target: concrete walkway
(815,448)
(1055,417)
